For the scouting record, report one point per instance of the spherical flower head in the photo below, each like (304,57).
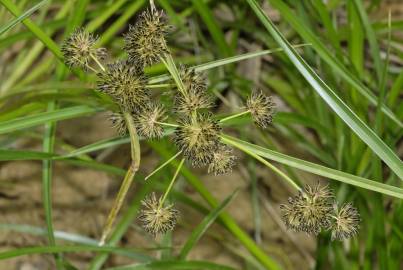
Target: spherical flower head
(118,123)
(145,41)
(198,138)
(148,119)
(126,83)
(315,206)
(195,96)
(155,218)
(290,215)
(261,108)
(310,210)
(79,49)
(223,161)
(347,222)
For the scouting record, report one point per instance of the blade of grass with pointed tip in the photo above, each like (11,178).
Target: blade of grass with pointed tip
(315,168)
(325,54)
(224,61)
(45,117)
(330,97)
(174,265)
(71,249)
(22,17)
(198,232)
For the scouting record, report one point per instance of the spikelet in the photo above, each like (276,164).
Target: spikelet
(147,121)
(223,160)
(261,108)
(78,48)
(195,96)
(145,41)
(310,210)
(157,219)
(347,222)
(118,123)
(125,83)
(198,138)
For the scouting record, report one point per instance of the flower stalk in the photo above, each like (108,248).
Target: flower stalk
(127,181)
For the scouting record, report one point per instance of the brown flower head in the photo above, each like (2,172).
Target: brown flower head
(79,49)
(346,223)
(145,41)
(157,219)
(147,122)
(261,108)
(198,138)
(223,160)
(125,83)
(195,96)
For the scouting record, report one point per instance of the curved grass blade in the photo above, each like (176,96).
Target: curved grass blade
(315,168)
(71,249)
(71,237)
(224,61)
(46,117)
(22,17)
(42,36)
(174,265)
(330,97)
(203,226)
(324,53)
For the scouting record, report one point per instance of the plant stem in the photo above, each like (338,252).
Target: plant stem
(166,124)
(97,61)
(131,172)
(163,165)
(171,184)
(170,65)
(262,160)
(234,116)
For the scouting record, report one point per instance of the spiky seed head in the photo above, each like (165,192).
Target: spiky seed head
(261,108)
(346,223)
(145,41)
(118,123)
(157,219)
(198,138)
(147,121)
(310,210)
(126,83)
(290,216)
(78,48)
(223,160)
(315,206)
(195,96)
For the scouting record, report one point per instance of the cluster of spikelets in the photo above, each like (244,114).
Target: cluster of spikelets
(197,134)
(315,208)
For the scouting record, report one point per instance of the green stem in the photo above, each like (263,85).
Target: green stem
(131,172)
(171,184)
(234,116)
(97,61)
(163,165)
(171,67)
(262,160)
(167,124)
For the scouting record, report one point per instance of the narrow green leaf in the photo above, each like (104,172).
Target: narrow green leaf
(330,97)
(45,117)
(315,168)
(22,17)
(42,36)
(71,249)
(174,265)
(324,53)
(224,61)
(198,232)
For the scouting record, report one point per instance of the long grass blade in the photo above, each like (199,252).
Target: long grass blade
(315,168)
(22,17)
(330,97)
